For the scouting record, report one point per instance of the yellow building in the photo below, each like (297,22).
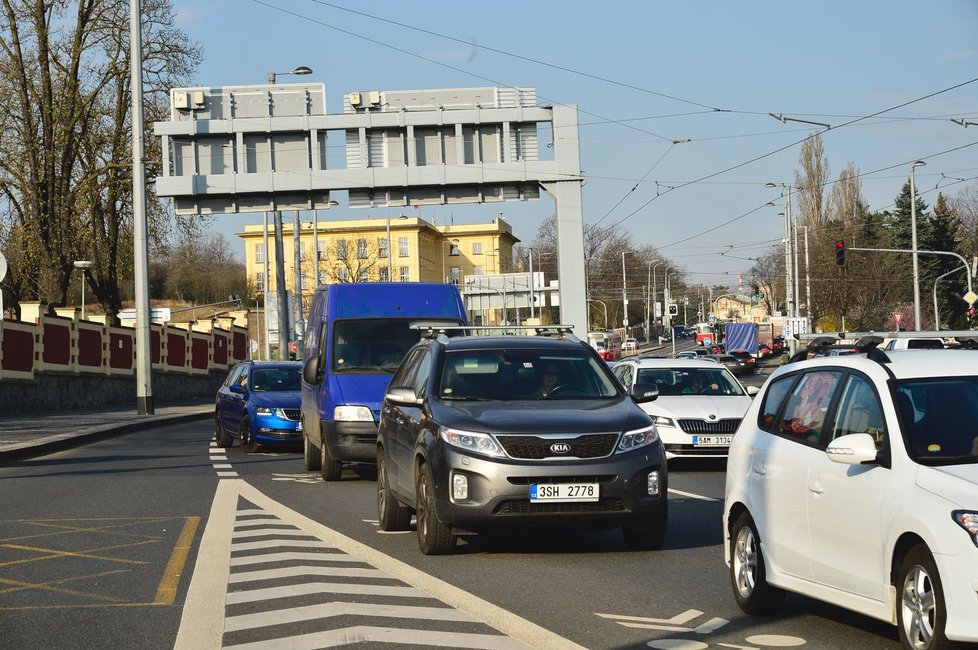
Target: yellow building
(358,251)
(741,308)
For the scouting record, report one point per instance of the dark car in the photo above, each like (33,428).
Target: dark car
(731,363)
(259,404)
(487,432)
(749,360)
(764,350)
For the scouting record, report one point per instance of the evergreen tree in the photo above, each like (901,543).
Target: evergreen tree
(900,233)
(946,233)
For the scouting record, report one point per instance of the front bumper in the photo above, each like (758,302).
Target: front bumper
(351,441)
(272,429)
(959,577)
(499,490)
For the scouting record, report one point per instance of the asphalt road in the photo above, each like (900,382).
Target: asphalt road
(156,539)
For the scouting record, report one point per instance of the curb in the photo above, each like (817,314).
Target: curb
(62,441)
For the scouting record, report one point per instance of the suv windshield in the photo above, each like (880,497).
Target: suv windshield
(376,345)
(691,381)
(938,418)
(523,374)
(276,379)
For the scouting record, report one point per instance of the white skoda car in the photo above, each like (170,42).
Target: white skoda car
(700,403)
(854,480)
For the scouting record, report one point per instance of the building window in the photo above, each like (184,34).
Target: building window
(303,252)
(453,249)
(320,252)
(402,246)
(260,282)
(477,270)
(363,275)
(307,279)
(343,275)
(383,274)
(260,253)
(362,248)
(383,246)
(405,274)
(455,275)
(341,249)
(477,248)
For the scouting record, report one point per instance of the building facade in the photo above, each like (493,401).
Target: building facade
(398,249)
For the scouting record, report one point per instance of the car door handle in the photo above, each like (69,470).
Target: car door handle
(816,487)
(760,469)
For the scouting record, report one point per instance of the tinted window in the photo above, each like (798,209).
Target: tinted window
(925,344)
(773,399)
(276,379)
(938,418)
(859,411)
(403,378)
(808,405)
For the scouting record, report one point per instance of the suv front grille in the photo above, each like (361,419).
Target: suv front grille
(293,414)
(702,426)
(529,447)
(521,507)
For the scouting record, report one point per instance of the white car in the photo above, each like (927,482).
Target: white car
(630,345)
(700,403)
(854,480)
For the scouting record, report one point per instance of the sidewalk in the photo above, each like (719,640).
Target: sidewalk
(23,435)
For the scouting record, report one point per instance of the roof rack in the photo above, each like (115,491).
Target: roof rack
(968,335)
(432,331)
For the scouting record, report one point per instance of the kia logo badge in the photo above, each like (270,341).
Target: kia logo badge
(560,447)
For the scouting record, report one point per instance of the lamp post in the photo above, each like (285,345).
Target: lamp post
(654,267)
(605,310)
(666,321)
(444,245)
(283,307)
(937,317)
(913,245)
(265,292)
(84,265)
(791,296)
(624,296)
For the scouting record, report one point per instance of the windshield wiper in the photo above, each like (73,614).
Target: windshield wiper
(453,398)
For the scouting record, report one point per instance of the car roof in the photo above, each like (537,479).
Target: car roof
(275,364)
(903,364)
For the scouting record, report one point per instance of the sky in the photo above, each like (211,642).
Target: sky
(674,98)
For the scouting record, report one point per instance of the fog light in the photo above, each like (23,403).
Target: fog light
(460,487)
(654,483)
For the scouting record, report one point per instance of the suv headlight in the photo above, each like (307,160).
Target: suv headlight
(353,414)
(638,438)
(968,520)
(663,421)
(267,410)
(478,443)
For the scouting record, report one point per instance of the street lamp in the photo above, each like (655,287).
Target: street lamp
(624,296)
(283,308)
(84,265)
(444,245)
(301,70)
(913,245)
(790,274)
(648,305)
(605,310)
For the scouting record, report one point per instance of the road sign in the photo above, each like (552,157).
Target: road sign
(897,316)
(3,266)
(707,341)
(969,297)
(712,319)
(293,347)
(159,314)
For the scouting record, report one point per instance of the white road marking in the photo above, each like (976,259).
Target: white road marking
(306,570)
(690,495)
(255,620)
(277,543)
(675,624)
(291,532)
(227,474)
(395,636)
(258,521)
(222,465)
(309,588)
(291,555)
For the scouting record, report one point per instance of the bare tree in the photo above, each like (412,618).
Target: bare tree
(353,260)
(65,147)
(811,181)
(845,200)
(965,204)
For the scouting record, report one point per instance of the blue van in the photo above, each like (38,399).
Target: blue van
(356,336)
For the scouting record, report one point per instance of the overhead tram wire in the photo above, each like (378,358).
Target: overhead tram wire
(637,184)
(794,144)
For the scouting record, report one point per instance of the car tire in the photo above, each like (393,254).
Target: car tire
(310,454)
(329,469)
(246,437)
(921,614)
(648,536)
(434,537)
(222,436)
(747,572)
(391,514)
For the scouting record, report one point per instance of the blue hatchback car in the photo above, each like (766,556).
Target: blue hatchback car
(259,403)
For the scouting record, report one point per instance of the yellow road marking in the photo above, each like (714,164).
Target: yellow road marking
(55,553)
(166,593)
(65,530)
(28,560)
(45,586)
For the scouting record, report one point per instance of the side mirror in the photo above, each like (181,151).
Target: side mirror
(752,390)
(310,370)
(236,388)
(403,396)
(642,393)
(852,449)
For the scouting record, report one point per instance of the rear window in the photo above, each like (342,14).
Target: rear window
(925,344)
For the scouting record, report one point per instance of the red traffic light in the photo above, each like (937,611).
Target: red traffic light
(840,252)
(840,244)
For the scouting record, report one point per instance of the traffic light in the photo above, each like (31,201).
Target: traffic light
(971,316)
(840,252)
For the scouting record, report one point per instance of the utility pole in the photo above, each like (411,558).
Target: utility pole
(296,280)
(624,295)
